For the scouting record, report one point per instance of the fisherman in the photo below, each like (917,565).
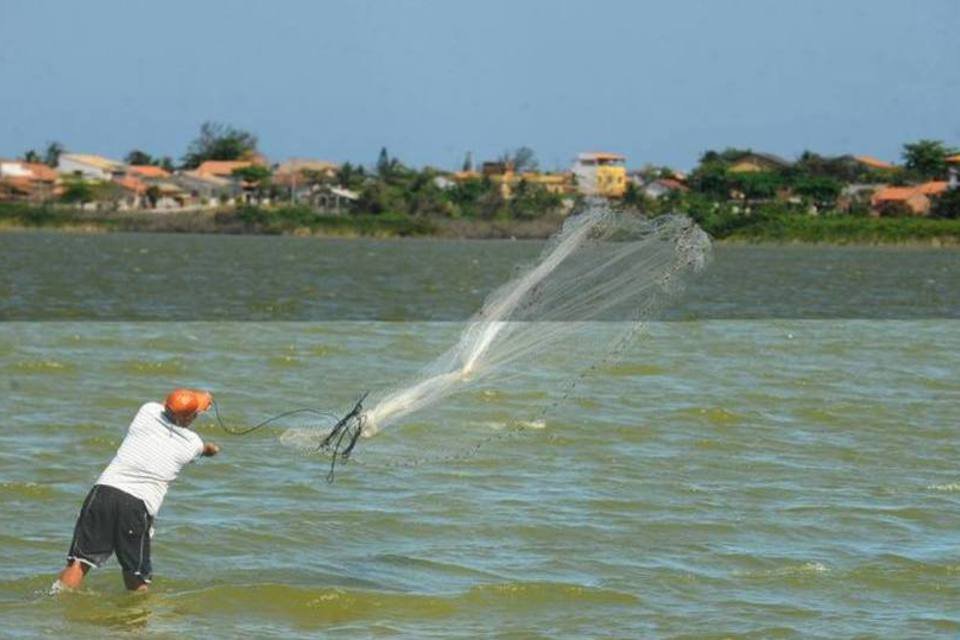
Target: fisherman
(117,515)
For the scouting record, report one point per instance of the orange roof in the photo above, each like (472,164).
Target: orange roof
(148,171)
(132,184)
(22,184)
(41,171)
(954,159)
(900,194)
(932,188)
(671,183)
(894,194)
(873,163)
(221,168)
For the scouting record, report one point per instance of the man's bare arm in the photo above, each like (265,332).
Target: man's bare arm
(210,449)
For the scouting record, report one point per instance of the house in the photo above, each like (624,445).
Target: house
(221,168)
(301,176)
(444,183)
(558,183)
(933,188)
(89,167)
(953,182)
(915,198)
(14,169)
(757,162)
(32,181)
(333,199)
(662,187)
(463,176)
(148,171)
(206,191)
(857,195)
(131,193)
(299,170)
(601,173)
(166,195)
(887,198)
(503,176)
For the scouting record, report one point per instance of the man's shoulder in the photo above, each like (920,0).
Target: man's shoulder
(148,413)
(151,408)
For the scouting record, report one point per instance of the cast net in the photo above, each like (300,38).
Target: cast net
(602,275)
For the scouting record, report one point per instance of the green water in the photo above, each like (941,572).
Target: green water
(765,477)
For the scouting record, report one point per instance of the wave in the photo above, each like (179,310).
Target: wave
(323,605)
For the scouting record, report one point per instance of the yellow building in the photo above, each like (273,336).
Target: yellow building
(600,173)
(507,180)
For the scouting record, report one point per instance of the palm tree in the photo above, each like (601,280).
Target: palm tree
(52,155)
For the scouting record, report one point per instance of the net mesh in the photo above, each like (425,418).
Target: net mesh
(603,266)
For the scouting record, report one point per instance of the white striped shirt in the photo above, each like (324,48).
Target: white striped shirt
(151,456)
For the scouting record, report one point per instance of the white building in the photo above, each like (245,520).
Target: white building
(89,167)
(601,174)
(14,169)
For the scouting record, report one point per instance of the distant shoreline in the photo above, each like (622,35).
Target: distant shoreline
(793,229)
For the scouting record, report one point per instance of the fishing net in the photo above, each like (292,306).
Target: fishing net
(594,283)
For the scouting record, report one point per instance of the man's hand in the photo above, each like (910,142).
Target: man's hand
(210,449)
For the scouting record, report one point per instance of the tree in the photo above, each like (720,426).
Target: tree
(726,157)
(711,178)
(947,205)
(522,159)
(256,174)
(218,141)
(390,168)
(256,178)
(927,158)
(633,197)
(139,157)
(51,157)
(758,185)
(467,162)
(31,155)
(843,168)
(532,201)
(153,195)
(77,192)
(823,191)
(383,163)
(349,176)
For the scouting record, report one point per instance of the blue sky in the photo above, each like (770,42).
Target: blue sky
(658,81)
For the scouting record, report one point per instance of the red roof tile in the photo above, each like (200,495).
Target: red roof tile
(221,168)
(149,171)
(131,184)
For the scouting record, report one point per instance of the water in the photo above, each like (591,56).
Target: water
(790,472)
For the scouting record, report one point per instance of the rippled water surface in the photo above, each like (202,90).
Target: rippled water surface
(725,478)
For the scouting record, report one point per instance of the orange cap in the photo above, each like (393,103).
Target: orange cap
(186,403)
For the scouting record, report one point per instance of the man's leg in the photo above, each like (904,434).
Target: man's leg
(133,542)
(72,575)
(92,540)
(134,583)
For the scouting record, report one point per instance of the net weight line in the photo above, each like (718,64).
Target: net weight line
(339,441)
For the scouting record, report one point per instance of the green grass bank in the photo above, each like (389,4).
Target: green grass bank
(775,227)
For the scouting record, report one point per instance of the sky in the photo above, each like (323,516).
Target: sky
(660,81)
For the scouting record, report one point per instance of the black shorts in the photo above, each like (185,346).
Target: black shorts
(113,521)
